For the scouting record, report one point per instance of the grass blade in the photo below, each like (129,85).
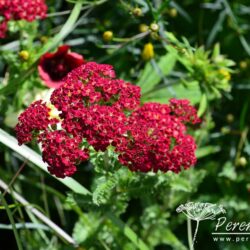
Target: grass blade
(18,241)
(37,213)
(216,28)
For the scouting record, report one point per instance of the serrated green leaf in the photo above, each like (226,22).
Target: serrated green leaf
(103,191)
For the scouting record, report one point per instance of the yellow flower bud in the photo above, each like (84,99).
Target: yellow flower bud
(148,51)
(107,36)
(243,64)
(143,28)
(137,12)
(230,118)
(24,55)
(225,73)
(154,27)
(242,161)
(173,12)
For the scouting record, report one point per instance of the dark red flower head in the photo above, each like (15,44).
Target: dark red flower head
(53,67)
(156,138)
(27,10)
(97,111)
(34,119)
(62,152)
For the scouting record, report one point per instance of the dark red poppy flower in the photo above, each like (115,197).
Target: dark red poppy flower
(53,67)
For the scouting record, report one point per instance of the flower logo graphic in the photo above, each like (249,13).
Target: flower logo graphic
(199,211)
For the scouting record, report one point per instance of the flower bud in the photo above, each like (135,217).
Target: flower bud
(24,55)
(173,12)
(154,27)
(230,118)
(107,36)
(148,51)
(243,64)
(143,28)
(137,12)
(242,161)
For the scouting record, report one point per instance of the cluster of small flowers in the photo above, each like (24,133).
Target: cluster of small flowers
(95,84)
(156,139)
(20,10)
(96,107)
(34,119)
(62,152)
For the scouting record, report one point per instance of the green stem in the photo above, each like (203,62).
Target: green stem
(18,241)
(189,230)
(38,214)
(196,231)
(66,29)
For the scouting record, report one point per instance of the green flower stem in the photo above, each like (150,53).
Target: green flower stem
(66,29)
(131,39)
(190,238)
(18,241)
(196,231)
(243,139)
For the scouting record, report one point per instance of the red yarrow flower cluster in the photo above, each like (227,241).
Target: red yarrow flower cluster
(96,109)
(157,140)
(27,10)
(33,120)
(100,125)
(62,152)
